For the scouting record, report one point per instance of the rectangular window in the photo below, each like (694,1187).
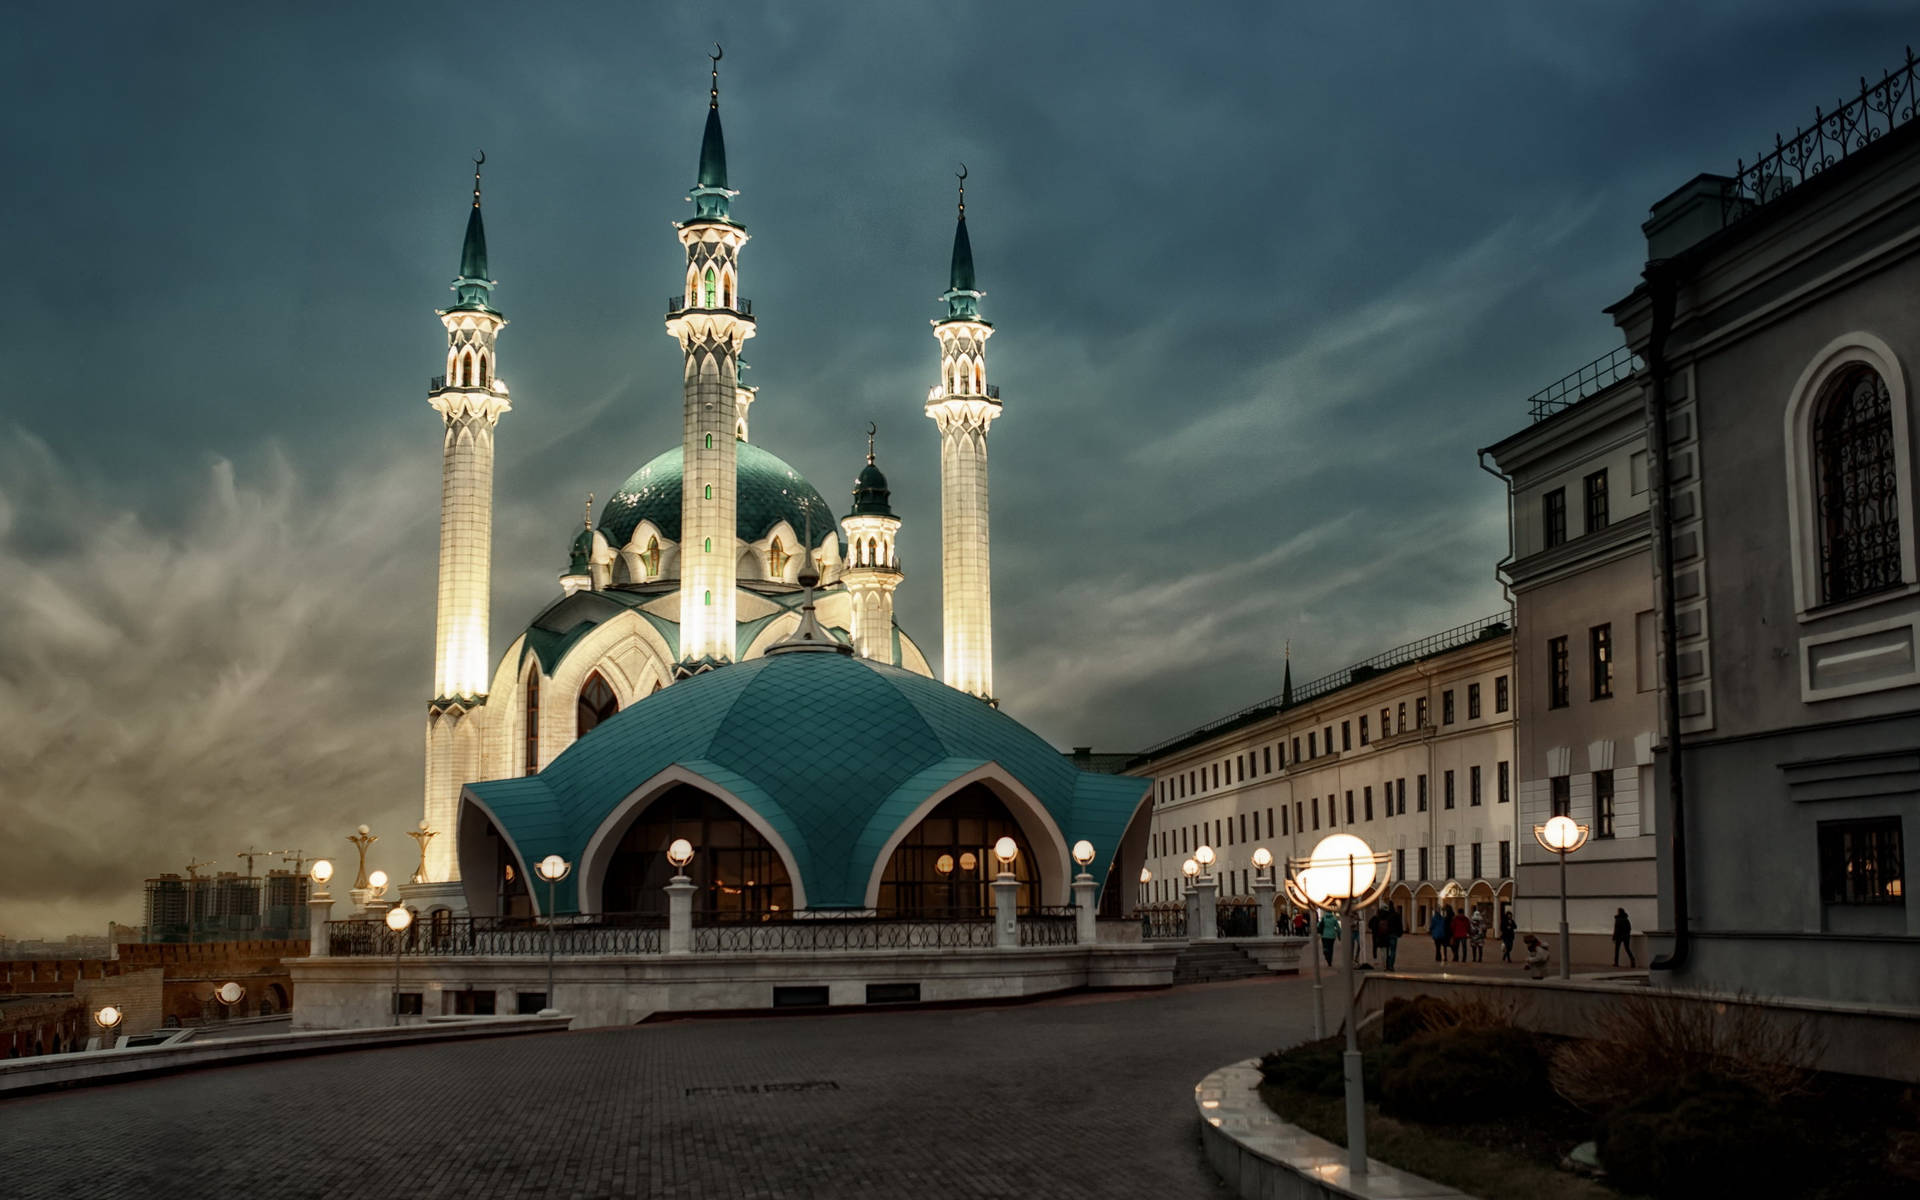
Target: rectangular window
(1420,713)
(1402,726)
(1506,859)
(1269,758)
(1603,804)
(1446,707)
(1559,682)
(1346,735)
(1386,724)
(1400,786)
(1313,745)
(1328,741)
(1333,811)
(1553,517)
(1216,831)
(1243,827)
(1286,826)
(1506,782)
(1400,863)
(1596,496)
(1473,702)
(1349,806)
(1296,749)
(1600,643)
(1447,791)
(1861,862)
(1561,802)
(1216,774)
(1420,793)
(1475,852)
(1363,731)
(1473,789)
(1423,862)
(1451,873)
(1316,814)
(1366,796)
(1500,693)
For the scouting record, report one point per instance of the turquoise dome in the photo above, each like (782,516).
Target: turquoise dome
(769,491)
(834,752)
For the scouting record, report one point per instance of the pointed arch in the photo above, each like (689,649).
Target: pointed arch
(595,704)
(651,557)
(1042,834)
(485,371)
(709,289)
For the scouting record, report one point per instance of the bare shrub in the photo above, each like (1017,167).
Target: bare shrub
(1652,1040)
(1488,1012)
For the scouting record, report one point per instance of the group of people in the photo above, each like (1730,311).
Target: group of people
(1454,932)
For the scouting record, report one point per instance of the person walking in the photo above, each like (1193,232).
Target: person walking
(1329,934)
(1395,928)
(1477,936)
(1460,930)
(1537,957)
(1377,930)
(1437,930)
(1508,929)
(1622,937)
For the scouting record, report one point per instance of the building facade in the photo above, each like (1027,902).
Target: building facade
(1412,750)
(1586,680)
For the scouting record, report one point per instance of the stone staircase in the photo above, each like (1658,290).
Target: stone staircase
(1208,962)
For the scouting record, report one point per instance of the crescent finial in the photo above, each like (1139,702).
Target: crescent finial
(718,53)
(962,173)
(482,160)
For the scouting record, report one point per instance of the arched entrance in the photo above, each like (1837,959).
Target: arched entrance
(736,873)
(490,871)
(1480,900)
(1425,902)
(945,865)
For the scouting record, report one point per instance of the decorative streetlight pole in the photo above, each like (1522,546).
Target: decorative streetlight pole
(319,909)
(1560,836)
(1146,886)
(1299,900)
(553,869)
(398,918)
(1207,892)
(1262,891)
(1345,871)
(1006,890)
(680,899)
(1084,887)
(422,835)
(108,1019)
(230,994)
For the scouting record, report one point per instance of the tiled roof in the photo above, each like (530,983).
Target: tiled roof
(767,492)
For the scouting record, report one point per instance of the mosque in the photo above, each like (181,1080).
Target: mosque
(722,662)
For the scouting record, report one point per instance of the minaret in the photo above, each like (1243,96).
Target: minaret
(470,399)
(873,564)
(712,323)
(962,404)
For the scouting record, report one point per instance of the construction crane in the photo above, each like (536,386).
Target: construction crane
(250,854)
(193,887)
(193,868)
(297,857)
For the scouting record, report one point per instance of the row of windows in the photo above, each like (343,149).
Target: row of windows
(1240,882)
(596,703)
(1560,801)
(1600,660)
(1553,509)
(1255,763)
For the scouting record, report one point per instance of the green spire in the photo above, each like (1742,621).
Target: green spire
(711,196)
(962,297)
(474,289)
(871,496)
(580,554)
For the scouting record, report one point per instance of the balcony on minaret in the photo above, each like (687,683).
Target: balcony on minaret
(679,304)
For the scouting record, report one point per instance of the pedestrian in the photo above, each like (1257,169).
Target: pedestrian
(1477,935)
(1460,929)
(1377,930)
(1437,930)
(1508,929)
(1329,934)
(1300,924)
(1395,928)
(1622,937)
(1537,957)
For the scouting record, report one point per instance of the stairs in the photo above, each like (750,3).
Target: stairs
(1208,962)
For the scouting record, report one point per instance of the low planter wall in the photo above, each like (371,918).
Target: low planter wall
(1261,1157)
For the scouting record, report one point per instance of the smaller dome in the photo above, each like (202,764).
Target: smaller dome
(580,556)
(871,497)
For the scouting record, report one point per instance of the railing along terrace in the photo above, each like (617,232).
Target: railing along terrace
(1366,668)
(855,929)
(1240,918)
(678,304)
(1050,925)
(1163,924)
(1878,110)
(1595,377)
(459,937)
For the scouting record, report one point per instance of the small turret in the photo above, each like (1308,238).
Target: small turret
(873,560)
(579,573)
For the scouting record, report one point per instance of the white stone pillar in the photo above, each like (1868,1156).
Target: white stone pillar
(1006,922)
(680,915)
(1263,902)
(1205,898)
(1083,911)
(319,912)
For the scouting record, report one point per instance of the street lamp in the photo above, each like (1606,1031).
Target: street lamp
(230,994)
(321,871)
(1560,836)
(398,918)
(1190,868)
(1083,855)
(108,1019)
(1262,891)
(1146,885)
(1344,871)
(1299,899)
(553,869)
(1204,856)
(1006,850)
(680,853)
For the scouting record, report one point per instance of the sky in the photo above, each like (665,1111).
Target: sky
(1264,279)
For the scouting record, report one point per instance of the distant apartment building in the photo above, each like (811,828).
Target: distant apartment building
(1411,750)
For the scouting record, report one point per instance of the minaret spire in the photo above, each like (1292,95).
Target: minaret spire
(963,405)
(873,560)
(474,289)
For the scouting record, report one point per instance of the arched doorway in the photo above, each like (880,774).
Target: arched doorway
(1425,902)
(946,863)
(736,872)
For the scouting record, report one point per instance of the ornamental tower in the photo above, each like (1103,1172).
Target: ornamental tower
(962,404)
(470,399)
(712,323)
(873,563)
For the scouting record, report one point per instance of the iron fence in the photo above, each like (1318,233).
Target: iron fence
(1050,925)
(1238,918)
(1596,376)
(1163,924)
(459,937)
(801,932)
(678,304)
(1855,124)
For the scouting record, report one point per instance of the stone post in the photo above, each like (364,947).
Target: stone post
(319,912)
(680,915)
(1263,904)
(360,896)
(1083,909)
(1205,890)
(1006,924)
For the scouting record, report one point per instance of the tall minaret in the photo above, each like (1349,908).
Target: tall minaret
(873,562)
(470,398)
(963,405)
(712,323)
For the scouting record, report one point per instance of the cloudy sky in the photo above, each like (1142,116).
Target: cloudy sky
(1263,282)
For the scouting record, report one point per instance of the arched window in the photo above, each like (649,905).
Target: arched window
(873,554)
(777,557)
(532,743)
(709,441)
(979,379)
(945,866)
(1856,487)
(597,703)
(726,289)
(708,599)
(652,557)
(736,872)
(709,486)
(709,290)
(482,381)
(709,546)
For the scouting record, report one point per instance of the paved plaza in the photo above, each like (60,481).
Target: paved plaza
(1083,1096)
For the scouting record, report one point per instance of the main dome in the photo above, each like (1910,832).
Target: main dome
(769,491)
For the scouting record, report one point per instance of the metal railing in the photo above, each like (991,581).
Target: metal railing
(678,304)
(800,932)
(1366,668)
(437,383)
(1050,925)
(1596,376)
(496,936)
(1239,918)
(1878,110)
(993,391)
(1163,924)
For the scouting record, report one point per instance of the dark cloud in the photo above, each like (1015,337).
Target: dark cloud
(1264,279)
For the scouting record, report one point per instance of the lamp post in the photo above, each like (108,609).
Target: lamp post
(1345,871)
(1299,899)
(1083,889)
(422,835)
(1146,886)
(108,1019)
(1560,836)
(319,909)
(230,994)
(398,918)
(553,869)
(680,898)
(376,893)
(1006,890)
(1262,891)
(1206,889)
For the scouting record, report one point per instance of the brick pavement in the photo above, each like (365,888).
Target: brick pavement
(1087,1096)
